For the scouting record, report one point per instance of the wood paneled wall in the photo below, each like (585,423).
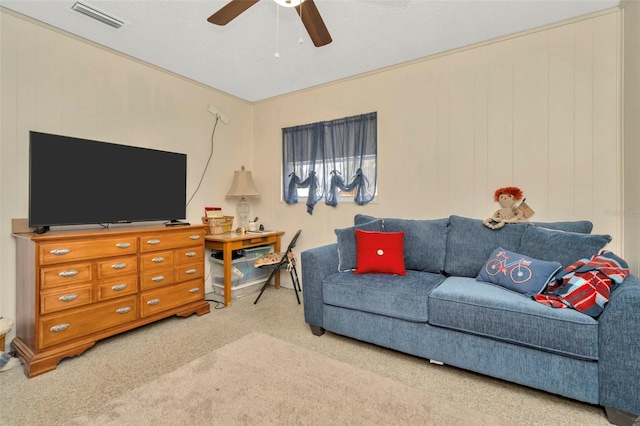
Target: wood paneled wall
(631,84)
(540,110)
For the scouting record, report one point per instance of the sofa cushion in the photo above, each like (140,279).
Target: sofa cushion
(380,252)
(425,241)
(560,246)
(347,243)
(517,272)
(359,219)
(403,297)
(467,305)
(579,226)
(469,244)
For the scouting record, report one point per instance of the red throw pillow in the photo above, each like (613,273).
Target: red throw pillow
(380,252)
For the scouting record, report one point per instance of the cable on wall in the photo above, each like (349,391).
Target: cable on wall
(206,166)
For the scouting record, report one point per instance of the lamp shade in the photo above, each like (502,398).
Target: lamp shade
(242,185)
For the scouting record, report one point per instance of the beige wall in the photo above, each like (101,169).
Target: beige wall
(631,14)
(51,82)
(540,111)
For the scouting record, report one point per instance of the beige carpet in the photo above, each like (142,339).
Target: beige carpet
(259,379)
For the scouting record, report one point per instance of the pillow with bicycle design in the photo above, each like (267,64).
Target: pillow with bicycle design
(518,272)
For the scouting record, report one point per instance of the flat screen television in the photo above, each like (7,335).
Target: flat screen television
(76,181)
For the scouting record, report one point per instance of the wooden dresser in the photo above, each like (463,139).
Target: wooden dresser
(77,287)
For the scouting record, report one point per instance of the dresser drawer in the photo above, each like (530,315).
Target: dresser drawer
(163,241)
(117,287)
(65,326)
(67,251)
(56,276)
(189,255)
(154,301)
(189,272)
(65,298)
(156,260)
(117,266)
(155,279)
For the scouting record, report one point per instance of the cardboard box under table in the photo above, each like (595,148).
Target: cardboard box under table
(245,277)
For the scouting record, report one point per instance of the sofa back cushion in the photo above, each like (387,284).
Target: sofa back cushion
(579,226)
(470,243)
(560,246)
(359,219)
(425,241)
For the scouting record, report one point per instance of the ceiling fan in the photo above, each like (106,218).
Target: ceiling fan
(306,9)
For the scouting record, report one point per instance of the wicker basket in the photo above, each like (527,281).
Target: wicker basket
(218,225)
(2,342)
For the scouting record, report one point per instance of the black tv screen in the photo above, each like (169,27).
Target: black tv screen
(76,181)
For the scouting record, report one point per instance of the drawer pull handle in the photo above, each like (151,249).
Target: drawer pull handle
(153,302)
(158,259)
(68,297)
(69,273)
(124,310)
(190,254)
(195,237)
(58,328)
(153,242)
(194,290)
(119,287)
(60,252)
(191,271)
(123,245)
(158,278)
(119,265)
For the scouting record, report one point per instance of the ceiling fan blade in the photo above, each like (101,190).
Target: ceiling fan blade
(230,11)
(313,23)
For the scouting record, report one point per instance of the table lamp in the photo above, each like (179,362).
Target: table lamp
(243,187)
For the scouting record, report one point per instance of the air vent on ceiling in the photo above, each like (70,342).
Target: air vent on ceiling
(98,15)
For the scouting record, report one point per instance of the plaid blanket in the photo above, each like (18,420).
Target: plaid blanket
(587,284)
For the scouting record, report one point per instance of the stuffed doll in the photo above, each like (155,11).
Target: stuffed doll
(509,212)
(7,362)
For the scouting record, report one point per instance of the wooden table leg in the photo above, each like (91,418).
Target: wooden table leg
(228,261)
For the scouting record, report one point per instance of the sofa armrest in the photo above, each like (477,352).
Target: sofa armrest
(619,348)
(316,264)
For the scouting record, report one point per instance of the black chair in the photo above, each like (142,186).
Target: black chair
(283,260)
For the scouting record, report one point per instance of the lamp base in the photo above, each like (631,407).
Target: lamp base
(242,209)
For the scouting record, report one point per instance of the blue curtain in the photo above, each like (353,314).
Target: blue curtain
(329,157)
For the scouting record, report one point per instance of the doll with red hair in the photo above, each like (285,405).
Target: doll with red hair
(509,212)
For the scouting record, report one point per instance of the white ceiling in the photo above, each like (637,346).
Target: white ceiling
(239,58)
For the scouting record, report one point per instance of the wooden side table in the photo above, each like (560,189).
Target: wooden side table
(231,241)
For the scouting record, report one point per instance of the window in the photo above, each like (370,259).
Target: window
(330,160)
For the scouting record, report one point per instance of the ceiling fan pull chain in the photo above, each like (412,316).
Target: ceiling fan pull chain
(277,55)
(300,24)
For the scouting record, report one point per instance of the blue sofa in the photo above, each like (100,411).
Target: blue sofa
(439,311)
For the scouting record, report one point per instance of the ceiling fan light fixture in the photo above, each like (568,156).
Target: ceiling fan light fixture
(289,3)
